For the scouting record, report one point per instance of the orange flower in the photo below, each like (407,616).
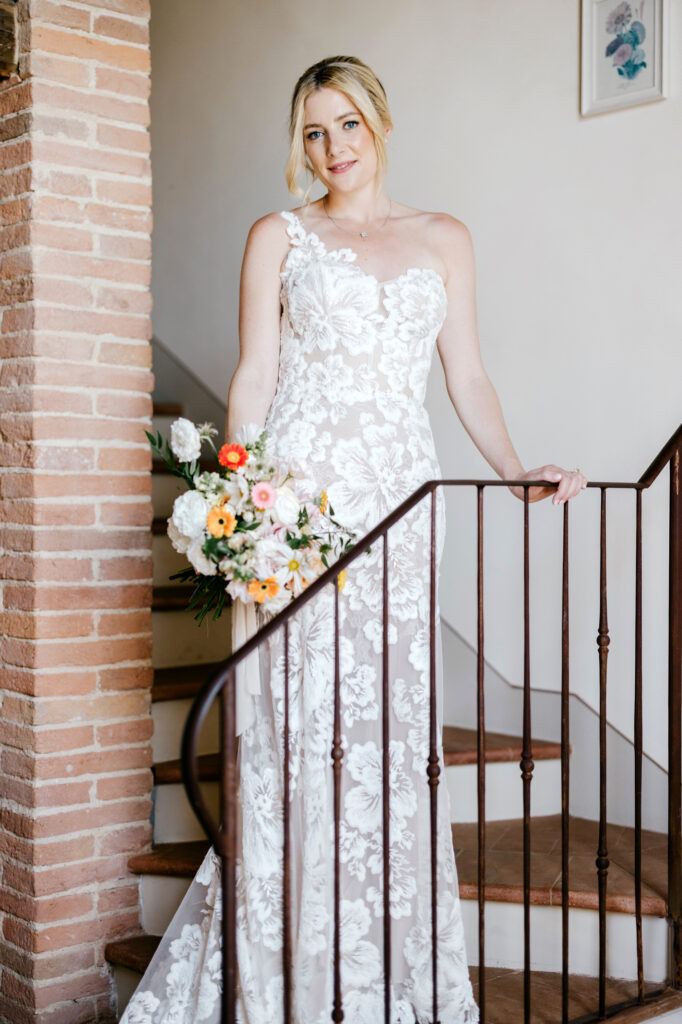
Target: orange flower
(221,522)
(262,589)
(232,456)
(324,502)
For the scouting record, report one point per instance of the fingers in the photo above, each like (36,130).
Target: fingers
(571,482)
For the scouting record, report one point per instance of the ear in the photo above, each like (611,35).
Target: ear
(388,132)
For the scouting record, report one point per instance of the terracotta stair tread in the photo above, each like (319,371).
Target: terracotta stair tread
(504,998)
(134,952)
(181,682)
(460,747)
(168,409)
(166,772)
(504,864)
(504,988)
(180,860)
(173,597)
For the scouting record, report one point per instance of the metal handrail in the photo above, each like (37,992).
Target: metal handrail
(221,682)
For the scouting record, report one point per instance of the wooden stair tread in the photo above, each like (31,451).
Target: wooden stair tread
(504,997)
(460,747)
(172,597)
(181,682)
(180,860)
(159,526)
(166,772)
(168,409)
(135,952)
(504,988)
(504,864)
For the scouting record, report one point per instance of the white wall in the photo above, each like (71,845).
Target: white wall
(577,226)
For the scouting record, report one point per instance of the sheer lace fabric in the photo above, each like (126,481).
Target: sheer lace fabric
(355,355)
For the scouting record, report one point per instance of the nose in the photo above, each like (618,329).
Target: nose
(335,143)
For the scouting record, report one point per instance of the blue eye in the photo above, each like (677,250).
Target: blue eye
(313,134)
(346,123)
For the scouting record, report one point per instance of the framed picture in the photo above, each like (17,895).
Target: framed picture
(623,53)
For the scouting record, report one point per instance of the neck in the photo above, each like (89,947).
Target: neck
(363,206)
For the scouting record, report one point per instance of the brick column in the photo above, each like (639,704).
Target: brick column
(75,506)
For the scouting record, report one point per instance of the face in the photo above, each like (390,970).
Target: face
(338,143)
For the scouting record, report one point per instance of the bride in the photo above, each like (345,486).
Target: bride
(342,303)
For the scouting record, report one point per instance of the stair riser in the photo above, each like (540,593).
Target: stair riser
(178,639)
(503,791)
(166,561)
(504,940)
(169,721)
(160,897)
(165,489)
(125,983)
(174,820)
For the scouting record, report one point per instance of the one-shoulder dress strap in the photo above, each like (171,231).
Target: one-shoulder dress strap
(295,230)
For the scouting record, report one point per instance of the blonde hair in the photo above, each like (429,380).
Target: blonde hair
(350,76)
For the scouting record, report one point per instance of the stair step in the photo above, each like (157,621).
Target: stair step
(504,864)
(171,598)
(159,526)
(159,466)
(168,409)
(179,860)
(460,747)
(504,998)
(182,682)
(503,988)
(134,952)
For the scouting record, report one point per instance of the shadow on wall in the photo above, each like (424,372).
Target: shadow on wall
(175,382)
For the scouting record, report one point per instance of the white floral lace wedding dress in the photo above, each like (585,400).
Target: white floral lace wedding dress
(354,359)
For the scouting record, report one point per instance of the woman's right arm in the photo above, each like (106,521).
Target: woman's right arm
(254,382)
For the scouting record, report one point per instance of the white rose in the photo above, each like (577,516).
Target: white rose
(189,514)
(185,440)
(179,541)
(200,563)
(286,505)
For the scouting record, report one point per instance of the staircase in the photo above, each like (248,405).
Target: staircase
(184,655)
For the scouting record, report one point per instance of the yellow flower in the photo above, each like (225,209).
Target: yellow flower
(324,502)
(341,578)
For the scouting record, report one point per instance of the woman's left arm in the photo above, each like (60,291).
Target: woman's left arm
(469,387)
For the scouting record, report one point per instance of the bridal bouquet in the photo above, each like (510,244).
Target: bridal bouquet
(252,528)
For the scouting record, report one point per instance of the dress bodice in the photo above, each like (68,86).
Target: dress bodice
(354,359)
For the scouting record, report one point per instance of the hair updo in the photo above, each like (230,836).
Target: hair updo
(350,76)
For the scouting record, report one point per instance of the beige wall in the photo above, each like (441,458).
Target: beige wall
(576,224)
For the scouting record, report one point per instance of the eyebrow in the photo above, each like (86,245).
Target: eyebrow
(347,114)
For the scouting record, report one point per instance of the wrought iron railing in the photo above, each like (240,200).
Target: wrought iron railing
(221,685)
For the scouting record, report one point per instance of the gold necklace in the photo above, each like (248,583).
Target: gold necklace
(363,234)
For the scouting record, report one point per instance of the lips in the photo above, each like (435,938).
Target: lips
(341,167)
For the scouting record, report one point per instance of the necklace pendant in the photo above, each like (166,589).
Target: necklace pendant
(363,234)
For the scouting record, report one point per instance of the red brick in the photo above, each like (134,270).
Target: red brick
(127,567)
(55,318)
(125,459)
(61,14)
(132,140)
(123,217)
(126,896)
(97,596)
(42,627)
(61,128)
(68,184)
(129,248)
(120,623)
(85,819)
(131,58)
(122,28)
(48,486)
(133,406)
(126,192)
(104,707)
(68,154)
(126,83)
(47,95)
(127,300)
(51,208)
(47,68)
(116,787)
(72,766)
(60,373)
(49,909)
(124,732)
(60,964)
(42,567)
(35,654)
(16,153)
(128,513)
(126,840)
(48,262)
(57,237)
(126,677)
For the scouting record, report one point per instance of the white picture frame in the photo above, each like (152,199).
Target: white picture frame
(623,53)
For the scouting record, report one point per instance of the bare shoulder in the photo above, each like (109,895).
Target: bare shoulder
(267,238)
(450,234)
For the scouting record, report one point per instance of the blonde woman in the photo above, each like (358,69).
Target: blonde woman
(342,303)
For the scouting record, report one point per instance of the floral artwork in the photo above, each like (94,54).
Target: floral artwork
(623,53)
(625,48)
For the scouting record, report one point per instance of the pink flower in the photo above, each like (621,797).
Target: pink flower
(263,494)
